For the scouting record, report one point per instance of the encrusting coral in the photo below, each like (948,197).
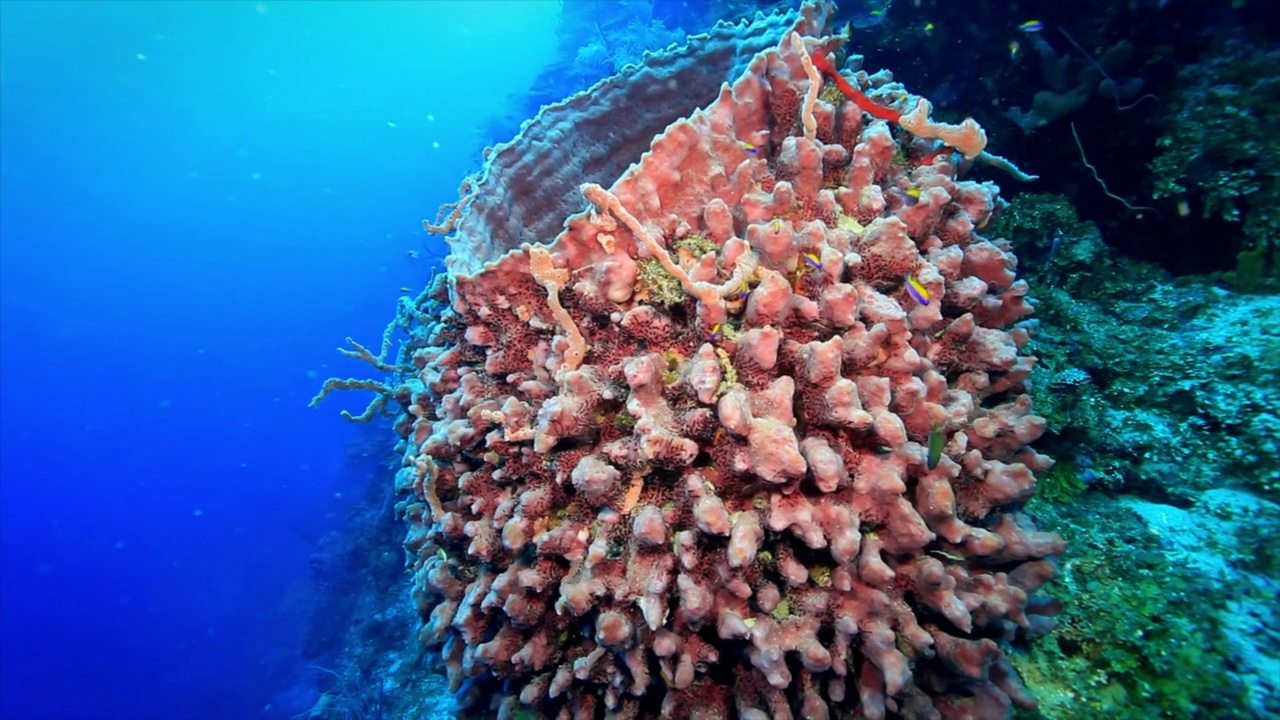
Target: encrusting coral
(721,506)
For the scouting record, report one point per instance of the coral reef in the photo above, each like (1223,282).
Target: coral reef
(1220,147)
(601,432)
(1167,480)
(720,503)
(1168,425)
(1168,612)
(1060,98)
(364,660)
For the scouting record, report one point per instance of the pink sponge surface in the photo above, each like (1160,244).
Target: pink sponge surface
(721,506)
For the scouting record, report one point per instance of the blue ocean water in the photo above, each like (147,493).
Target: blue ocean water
(198,201)
(201,201)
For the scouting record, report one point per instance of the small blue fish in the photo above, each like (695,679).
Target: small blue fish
(1031,26)
(1053,249)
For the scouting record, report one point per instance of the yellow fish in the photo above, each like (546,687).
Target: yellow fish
(917,291)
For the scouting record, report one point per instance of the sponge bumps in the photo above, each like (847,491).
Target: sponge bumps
(721,506)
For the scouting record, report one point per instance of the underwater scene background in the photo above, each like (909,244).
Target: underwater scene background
(896,359)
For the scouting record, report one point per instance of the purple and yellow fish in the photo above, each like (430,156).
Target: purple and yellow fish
(917,290)
(813,260)
(909,197)
(1031,26)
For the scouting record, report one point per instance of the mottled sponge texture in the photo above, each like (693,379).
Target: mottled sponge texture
(668,455)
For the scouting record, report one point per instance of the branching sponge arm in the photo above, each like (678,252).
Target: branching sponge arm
(815,84)
(968,137)
(704,292)
(552,278)
(375,406)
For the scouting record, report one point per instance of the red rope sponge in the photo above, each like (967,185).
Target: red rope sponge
(854,94)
